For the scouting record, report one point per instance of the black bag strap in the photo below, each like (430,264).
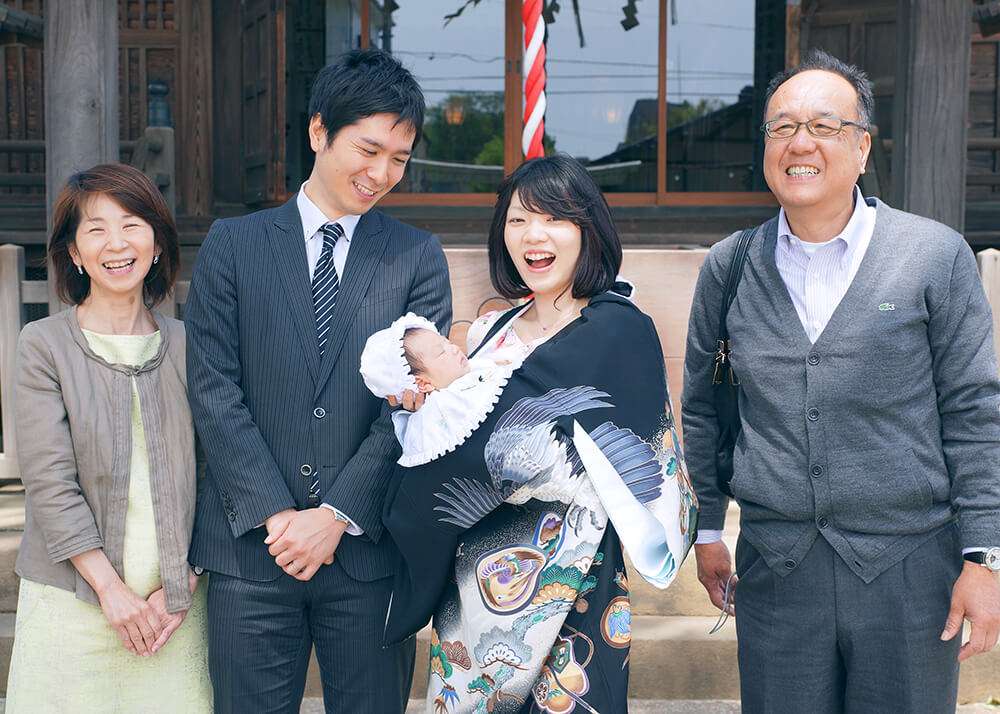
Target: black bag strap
(501,323)
(728,295)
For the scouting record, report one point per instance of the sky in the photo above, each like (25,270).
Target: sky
(590,90)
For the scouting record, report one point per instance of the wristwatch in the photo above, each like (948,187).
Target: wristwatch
(989,558)
(338,516)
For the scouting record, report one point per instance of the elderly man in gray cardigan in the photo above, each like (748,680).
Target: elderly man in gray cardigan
(868,466)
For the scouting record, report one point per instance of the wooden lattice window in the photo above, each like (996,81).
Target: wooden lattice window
(147,14)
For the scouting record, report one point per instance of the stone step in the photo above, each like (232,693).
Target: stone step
(685,596)
(673,658)
(11,528)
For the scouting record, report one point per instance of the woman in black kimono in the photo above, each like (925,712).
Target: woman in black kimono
(513,540)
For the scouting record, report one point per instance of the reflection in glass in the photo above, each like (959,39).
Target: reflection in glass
(460,66)
(712,126)
(601,91)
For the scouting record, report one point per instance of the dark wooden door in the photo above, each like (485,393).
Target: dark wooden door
(263,99)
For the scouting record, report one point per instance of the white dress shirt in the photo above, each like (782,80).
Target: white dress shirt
(818,276)
(313,220)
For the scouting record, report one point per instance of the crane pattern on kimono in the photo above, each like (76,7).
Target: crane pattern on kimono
(529,455)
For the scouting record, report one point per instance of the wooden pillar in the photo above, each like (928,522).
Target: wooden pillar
(81,93)
(932,97)
(989,271)
(11,320)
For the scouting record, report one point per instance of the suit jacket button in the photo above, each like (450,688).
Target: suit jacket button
(306,470)
(319,412)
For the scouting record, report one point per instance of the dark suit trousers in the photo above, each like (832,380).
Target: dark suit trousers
(261,634)
(820,640)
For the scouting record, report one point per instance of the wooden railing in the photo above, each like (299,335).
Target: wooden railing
(664,279)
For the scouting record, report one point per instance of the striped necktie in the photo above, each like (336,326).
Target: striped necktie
(326,284)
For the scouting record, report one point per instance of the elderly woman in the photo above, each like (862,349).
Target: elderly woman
(109,616)
(514,538)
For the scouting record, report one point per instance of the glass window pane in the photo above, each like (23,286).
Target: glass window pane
(460,65)
(712,115)
(601,92)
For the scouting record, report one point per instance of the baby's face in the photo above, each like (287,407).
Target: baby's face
(443,360)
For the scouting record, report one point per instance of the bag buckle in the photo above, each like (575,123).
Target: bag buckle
(722,362)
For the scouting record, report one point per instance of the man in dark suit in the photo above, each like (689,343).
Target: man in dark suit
(299,452)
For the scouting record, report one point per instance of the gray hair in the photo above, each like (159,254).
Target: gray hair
(818,59)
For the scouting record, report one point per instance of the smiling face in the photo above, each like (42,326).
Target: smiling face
(114,248)
(363,163)
(434,360)
(544,249)
(805,171)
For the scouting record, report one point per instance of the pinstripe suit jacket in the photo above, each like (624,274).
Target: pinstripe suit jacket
(268,409)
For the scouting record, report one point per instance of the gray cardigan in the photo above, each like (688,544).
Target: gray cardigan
(74,426)
(884,430)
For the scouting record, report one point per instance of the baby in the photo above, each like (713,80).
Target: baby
(410,354)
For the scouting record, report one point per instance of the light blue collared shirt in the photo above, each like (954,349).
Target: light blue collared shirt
(818,275)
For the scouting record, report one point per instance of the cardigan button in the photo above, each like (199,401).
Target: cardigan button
(813,359)
(790,563)
(816,470)
(822,522)
(232,515)
(813,414)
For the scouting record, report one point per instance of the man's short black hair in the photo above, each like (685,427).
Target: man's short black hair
(561,187)
(362,83)
(820,60)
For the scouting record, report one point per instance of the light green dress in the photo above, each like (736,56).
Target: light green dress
(66,656)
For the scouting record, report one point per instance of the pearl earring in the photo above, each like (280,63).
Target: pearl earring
(79,269)
(156,259)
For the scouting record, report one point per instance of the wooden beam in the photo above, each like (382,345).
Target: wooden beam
(929,120)
(12,318)
(81,93)
(989,271)
(793,33)
(513,86)
(195,122)
(661,104)
(24,24)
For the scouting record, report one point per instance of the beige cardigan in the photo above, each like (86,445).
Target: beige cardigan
(74,428)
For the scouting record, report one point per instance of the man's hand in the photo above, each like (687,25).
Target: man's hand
(277,524)
(976,598)
(715,565)
(307,541)
(412,401)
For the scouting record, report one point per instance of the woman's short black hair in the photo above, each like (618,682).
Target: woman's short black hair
(561,187)
(362,83)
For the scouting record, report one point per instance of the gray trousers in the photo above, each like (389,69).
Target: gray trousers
(821,641)
(260,635)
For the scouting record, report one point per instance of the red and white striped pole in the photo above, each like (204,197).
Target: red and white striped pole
(534,79)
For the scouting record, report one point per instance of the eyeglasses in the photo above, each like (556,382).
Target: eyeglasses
(821,128)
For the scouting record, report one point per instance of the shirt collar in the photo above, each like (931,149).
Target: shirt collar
(861,222)
(313,218)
